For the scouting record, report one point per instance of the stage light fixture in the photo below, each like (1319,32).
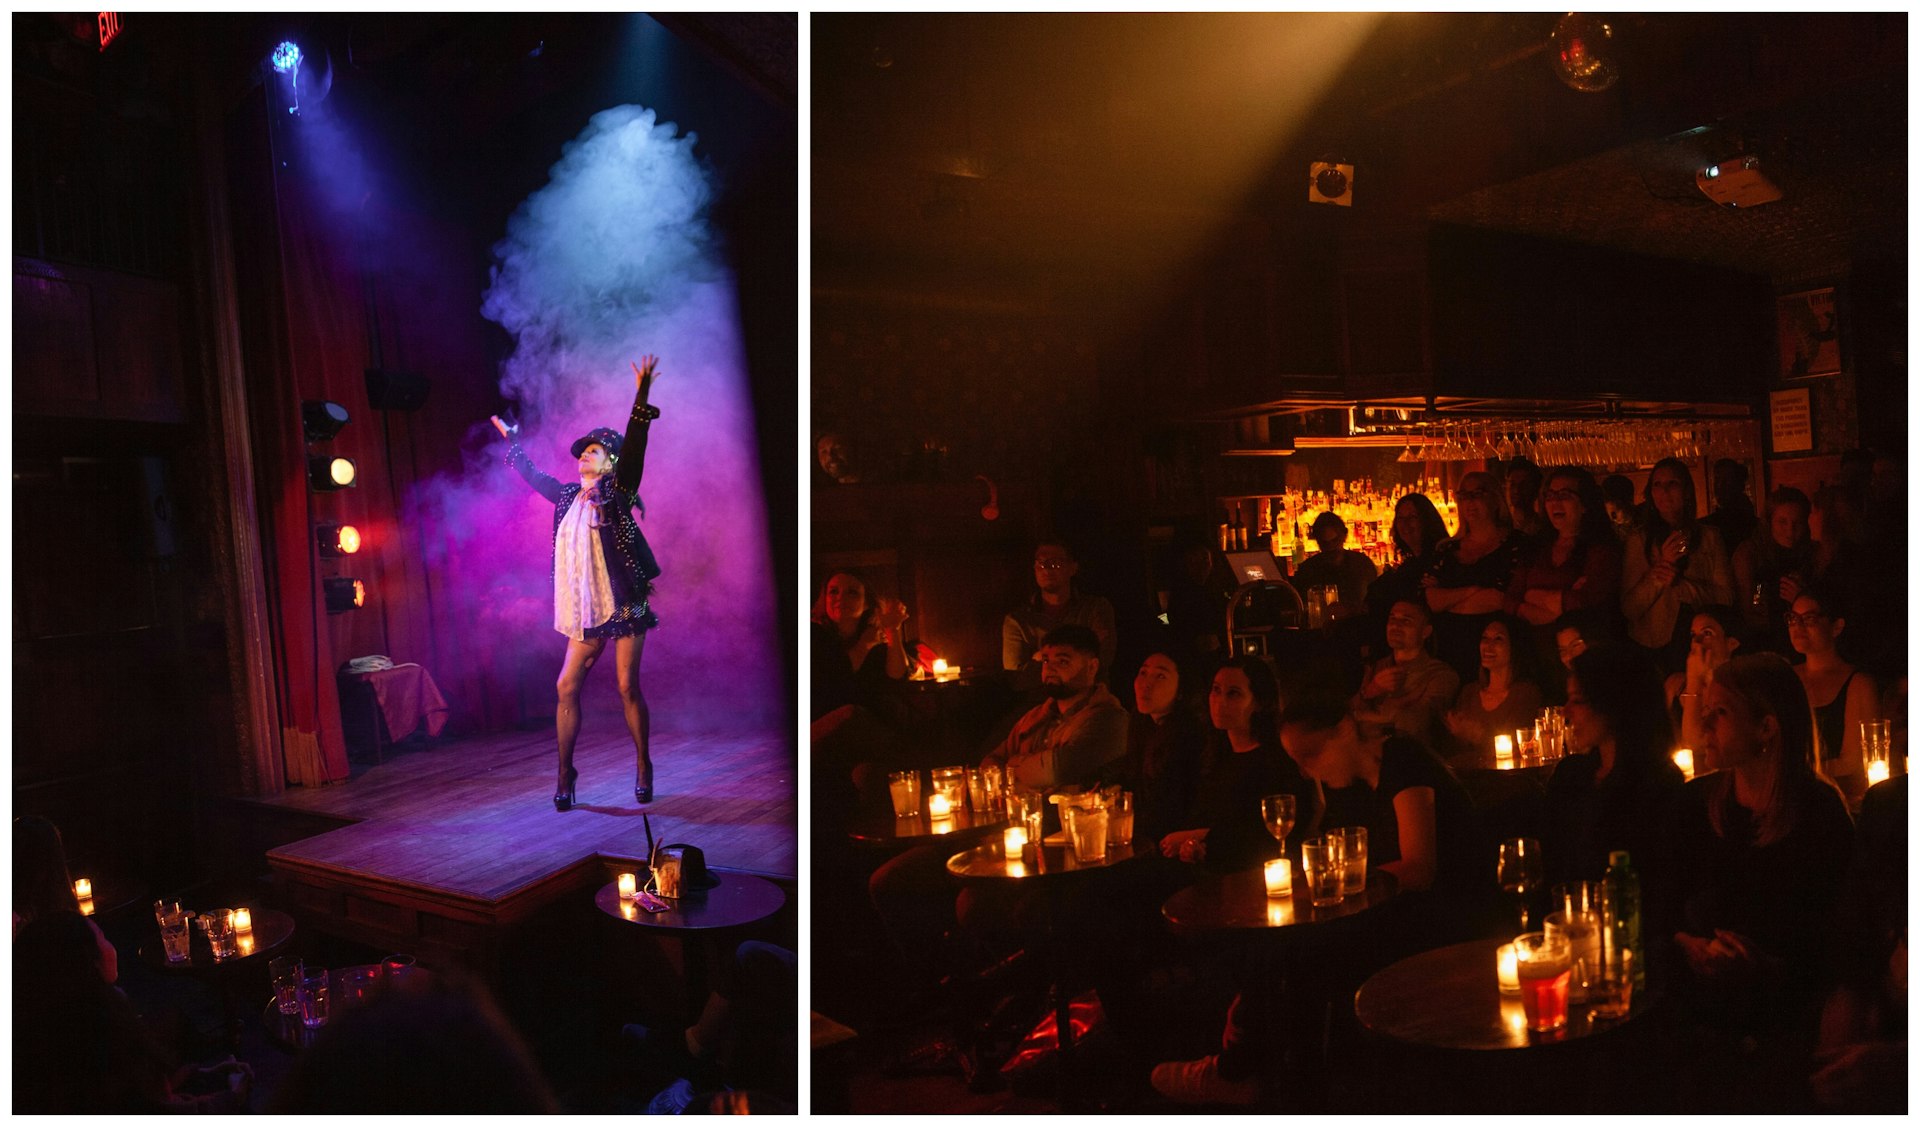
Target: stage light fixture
(326,474)
(337,540)
(344,595)
(286,57)
(322,419)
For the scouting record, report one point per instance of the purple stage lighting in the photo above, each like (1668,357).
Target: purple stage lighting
(286,57)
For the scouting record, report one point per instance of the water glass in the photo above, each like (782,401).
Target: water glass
(176,935)
(311,993)
(1876,747)
(1324,865)
(1120,819)
(977,791)
(1087,829)
(1610,989)
(286,984)
(220,935)
(1581,930)
(1545,966)
(1353,852)
(904,786)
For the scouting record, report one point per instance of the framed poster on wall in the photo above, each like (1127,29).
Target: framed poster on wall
(1809,334)
(1790,420)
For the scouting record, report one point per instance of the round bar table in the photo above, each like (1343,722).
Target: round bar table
(272,930)
(1238,902)
(959,829)
(1450,999)
(1051,868)
(698,919)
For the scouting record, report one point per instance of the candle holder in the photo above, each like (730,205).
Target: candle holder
(629,886)
(1503,751)
(1683,759)
(83,888)
(1279,876)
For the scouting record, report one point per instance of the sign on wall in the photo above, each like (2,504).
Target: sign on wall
(1790,416)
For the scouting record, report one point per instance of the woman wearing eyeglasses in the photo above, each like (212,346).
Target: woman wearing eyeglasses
(1673,565)
(1840,695)
(1468,581)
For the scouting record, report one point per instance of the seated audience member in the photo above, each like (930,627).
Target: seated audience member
(1770,568)
(1335,566)
(1673,565)
(433,1048)
(1055,603)
(857,645)
(1616,790)
(78,1045)
(1165,744)
(1408,690)
(834,459)
(1421,830)
(1714,637)
(1760,850)
(1506,696)
(1840,695)
(1733,516)
(43,886)
(1244,764)
(1195,601)
(1522,489)
(1573,635)
(1860,1059)
(744,1034)
(1471,574)
(1064,743)
(1418,533)
(1578,567)
(1621,511)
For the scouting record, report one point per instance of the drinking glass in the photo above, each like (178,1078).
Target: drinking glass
(311,993)
(1087,829)
(952,782)
(1544,963)
(1521,871)
(1278,811)
(1610,990)
(1120,818)
(1876,745)
(220,935)
(904,786)
(176,935)
(1353,854)
(164,908)
(1581,930)
(1324,867)
(285,974)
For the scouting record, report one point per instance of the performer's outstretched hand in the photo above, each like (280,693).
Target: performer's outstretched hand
(645,371)
(505,430)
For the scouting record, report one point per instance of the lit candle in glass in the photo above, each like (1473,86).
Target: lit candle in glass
(1509,970)
(243,920)
(1015,840)
(1279,877)
(1683,759)
(244,941)
(86,906)
(938,806)
(629,886)
(83,888)
(939,668)
(1878,771)
(1503,750)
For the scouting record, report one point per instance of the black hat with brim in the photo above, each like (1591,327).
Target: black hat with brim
(605,436)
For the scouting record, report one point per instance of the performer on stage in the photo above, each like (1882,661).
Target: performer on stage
(603,572)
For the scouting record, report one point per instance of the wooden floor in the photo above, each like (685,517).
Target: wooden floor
(473,820)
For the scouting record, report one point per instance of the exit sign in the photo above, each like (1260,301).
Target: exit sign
(109,28)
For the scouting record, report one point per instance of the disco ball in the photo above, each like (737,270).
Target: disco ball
(1585,55)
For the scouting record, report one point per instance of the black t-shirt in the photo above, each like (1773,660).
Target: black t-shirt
(835,681)
(1404,764)
(1227,802)
(1587,820)
(1161,768)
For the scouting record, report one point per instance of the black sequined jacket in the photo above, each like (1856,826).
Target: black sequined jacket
(631,566)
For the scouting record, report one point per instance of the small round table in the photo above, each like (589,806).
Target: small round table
(272,930)
(698,919)
(958,829)
(1239,902)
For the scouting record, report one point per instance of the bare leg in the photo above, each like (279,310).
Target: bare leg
(573,674)
(633,704)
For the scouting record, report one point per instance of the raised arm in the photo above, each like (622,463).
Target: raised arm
(543,484)
(633,448)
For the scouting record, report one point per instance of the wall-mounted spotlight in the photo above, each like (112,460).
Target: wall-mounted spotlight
(322,419)
(337,540)
(301,74)
(327,474)
(344,595)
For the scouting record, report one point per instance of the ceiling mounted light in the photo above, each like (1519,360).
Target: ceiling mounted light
(1585,56)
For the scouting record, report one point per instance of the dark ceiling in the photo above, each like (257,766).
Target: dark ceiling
(1118,145)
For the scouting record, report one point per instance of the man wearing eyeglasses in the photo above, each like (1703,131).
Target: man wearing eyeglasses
(1055,603)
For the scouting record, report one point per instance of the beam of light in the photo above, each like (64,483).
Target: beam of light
(613,259)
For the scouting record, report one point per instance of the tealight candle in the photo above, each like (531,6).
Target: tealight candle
(83,888)
(1503,750)
(1509,970)
(1015,840)
(940,667)
(1280,877)
(939,807)
(1683,759)
(86,906)
(245,943)
(629,886)
(242,920)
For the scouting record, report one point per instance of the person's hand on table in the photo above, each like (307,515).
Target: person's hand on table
(1185,845)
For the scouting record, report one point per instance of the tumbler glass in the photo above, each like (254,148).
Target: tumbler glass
(1581,930)
(312,996)
(1545,965)
(1087,829)
(1325,868)
(1610,990)
(1353,878)
(904,786)
(286,984)
(1120,819)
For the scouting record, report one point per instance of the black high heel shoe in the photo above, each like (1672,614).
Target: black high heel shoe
(563,800)
(643,786)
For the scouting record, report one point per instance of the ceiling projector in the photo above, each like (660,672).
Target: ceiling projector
(1737,183)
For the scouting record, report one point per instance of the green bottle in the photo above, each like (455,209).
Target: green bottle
(1623,923)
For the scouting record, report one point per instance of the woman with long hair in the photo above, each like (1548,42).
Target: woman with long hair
(1418,532)
(43,886)
(1770,568)
(1577,568)
(1614,791)
(1673,564)
(1840,694)
(856,641)
(1165,742)
(1471,571)
(1504,697)
(1713,638)
(1244,764)
(1763,845)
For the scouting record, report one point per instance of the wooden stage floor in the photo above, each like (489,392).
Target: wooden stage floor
(465,830)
